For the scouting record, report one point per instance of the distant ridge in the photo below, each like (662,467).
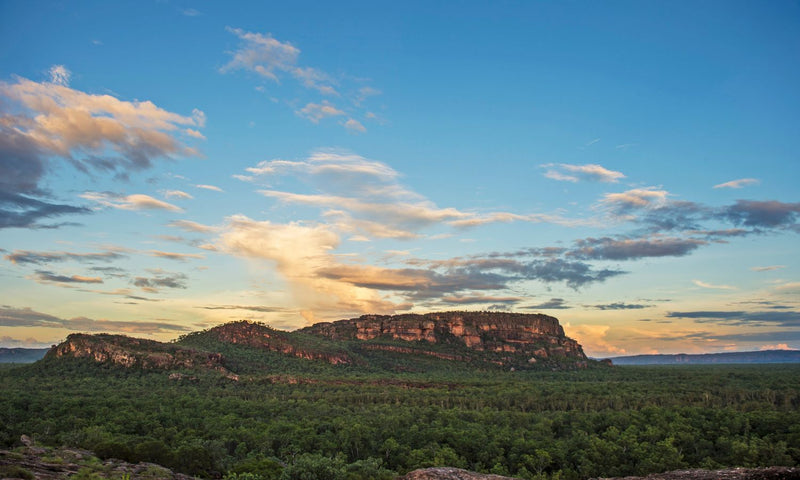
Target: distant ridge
(21,355)
(763,356)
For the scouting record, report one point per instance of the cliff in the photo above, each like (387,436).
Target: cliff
(136,352)
(260,336)
(376,342)
(506,336)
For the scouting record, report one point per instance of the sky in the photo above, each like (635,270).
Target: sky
(628,167)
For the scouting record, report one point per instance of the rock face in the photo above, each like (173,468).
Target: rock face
(767,473)
(516,334)
(448,473)
(136,352)
(260,336)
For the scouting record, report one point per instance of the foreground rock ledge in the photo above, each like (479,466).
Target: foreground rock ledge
(768,473)
(448,473)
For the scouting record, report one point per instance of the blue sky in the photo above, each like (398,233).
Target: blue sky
(628,167)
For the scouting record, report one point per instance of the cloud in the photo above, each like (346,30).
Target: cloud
(190,226)
(781,318)
(136,201)
(767,268)
(191,12)
(161,280)
(635,199)
(354,126)
(252,308)
(594,339)
(44,276)
(181,257)
(26,317)
(762,214)
(631,249)
(38,258)
(742,182)
(273,59)
(475,299)
(575,173)
(300,253)
(552,304)
(178,194)
(314,112)
(210,187)
(711,286)
(53,119)
(620,306)
(43,124)
(59,75)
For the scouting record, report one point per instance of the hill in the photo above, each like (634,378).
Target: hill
(764,356)
(445,341)
(21,355)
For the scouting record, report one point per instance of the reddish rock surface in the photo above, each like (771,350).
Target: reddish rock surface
(534,335)
(448,473)
(768,473)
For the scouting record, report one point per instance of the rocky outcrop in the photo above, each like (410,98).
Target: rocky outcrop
(261,336)
(515,334)
(766,473)
(136,352)
(448,473)
(45,463)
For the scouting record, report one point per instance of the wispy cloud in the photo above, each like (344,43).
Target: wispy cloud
(742,182)
(44,276)
(767,268)
(630,249)
(552,304)
(575,173)
(781,318)
(26,317)
(130,202)
(213,188)
(190,226)
(181,257)
(160,280)
(315,112)
(702,284)
(620,306)
(177,194)
(38,258)
(279,62)
(60,75)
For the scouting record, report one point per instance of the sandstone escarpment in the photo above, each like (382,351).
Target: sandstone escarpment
(260,336)
(136,352)
(516,334)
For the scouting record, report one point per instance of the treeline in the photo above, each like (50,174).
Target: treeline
(562,425)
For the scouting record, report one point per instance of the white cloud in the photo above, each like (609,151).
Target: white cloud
(130,202)
(271,58)
(712,286)
(742,182)
(767,268)
(575,173)
(210,187)
(636,198)
(177,194)
(59,75)
(300,253)
(354,126)
(315,112)
(190,226)
(97,132)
